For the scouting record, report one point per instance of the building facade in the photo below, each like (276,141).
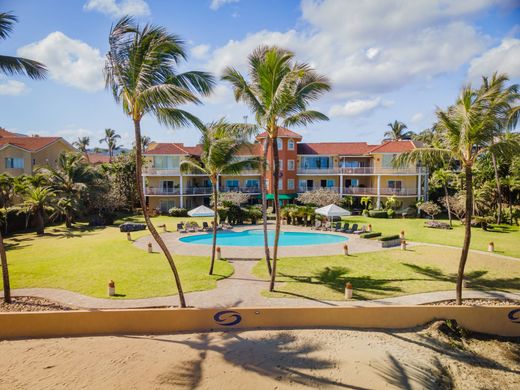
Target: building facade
(354,169)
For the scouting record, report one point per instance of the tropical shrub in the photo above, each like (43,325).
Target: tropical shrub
(370,235)
(319,197)
(254,214)
(389,238)
(378,213)
(365,213)
(391,213)
(178,212)
(430,208)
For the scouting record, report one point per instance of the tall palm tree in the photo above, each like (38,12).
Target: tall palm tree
(110,139)
(278,91)
(512,183)
(10,65)
(140,70)
(397,131)
(467,129)
(37,200)
(221,142)
(442,178)
(145,142)
(82,145)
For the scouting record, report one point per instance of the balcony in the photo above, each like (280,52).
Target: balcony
(161,172)
(162,191)
(246,190)
(382,191)
(307,189)
(358,171)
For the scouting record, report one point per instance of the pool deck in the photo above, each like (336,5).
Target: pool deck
(355,244)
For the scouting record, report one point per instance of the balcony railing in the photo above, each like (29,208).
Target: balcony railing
(161,172)
(357,171)
(247,190)
(382,191)
(162,191)
(307,189)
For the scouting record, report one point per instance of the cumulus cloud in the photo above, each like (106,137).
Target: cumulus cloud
(70,61)
(357,107)
(12,87)
(116,9)
(216,4)
(373,47)
(200,51)
(504,58)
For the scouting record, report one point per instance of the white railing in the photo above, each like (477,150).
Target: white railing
(247,190)
(197,190)
(358,171)
(382,191)
(162,191)
(307,189)
(161,172)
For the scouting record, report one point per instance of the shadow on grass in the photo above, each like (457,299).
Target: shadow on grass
(475,279)
(281,356)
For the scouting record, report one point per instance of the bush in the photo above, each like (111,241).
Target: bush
(365,213)
(370,235)
(378,214)
(254,214)
(178,212)
(391,213)
(389,238)
(430,208)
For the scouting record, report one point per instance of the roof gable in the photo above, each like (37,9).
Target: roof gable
(394,147)
(334,148)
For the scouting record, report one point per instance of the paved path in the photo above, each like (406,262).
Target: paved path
(240,289)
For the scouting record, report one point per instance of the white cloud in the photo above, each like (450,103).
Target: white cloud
(417,117)
(200,51)
(504,59)
(70,61)
(356,107)
(12,87)
(117,9)
(216,4)
(373,47)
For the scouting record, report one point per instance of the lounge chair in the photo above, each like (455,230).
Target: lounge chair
(206,227)
(317,225)
(226,226)
(363,230)
(190,228)
(196,226)
(328,226)
(354,228)
(337,226)
(180,228)
(345,227)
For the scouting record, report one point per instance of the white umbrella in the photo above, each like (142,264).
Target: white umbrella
(201,211)
(332,211)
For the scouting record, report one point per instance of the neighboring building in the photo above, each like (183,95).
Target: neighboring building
(98,158)
(349,168)
(21,154)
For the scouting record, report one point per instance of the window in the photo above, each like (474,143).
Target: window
(166,162)
(266,183)
(290,144)
(330,183)
(166,186)
(166,205)
(252,183)
(302,185)
(351,183)
(14,163)
(315,162)
(395,184)
(232,183)
(387,160)
(280,184)
(290,165)
(281,165)
(350,164)
(290,184)
(280,143)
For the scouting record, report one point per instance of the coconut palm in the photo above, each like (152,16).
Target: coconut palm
(443,178)
(278,91)
(397,131)
(82,145)
(467,129)
(37,200)
(512,183)
(140,70)
(145,142)
(220,142)
(110,139)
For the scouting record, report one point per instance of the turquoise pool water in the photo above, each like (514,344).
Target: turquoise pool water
(256,238)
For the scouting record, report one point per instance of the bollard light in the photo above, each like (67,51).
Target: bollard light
(128,236)
(369,227)
(491,247)
(345,249)
(111,288)
(348,290)
(403,245)
(150,248)
(164,228)
(401,235)
(219,254)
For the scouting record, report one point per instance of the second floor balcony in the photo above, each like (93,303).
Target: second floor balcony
(359,171)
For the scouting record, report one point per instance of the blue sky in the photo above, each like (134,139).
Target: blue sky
(386,60)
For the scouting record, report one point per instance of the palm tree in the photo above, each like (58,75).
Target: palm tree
(140,71)
(442,178)
(467,129)
(278,91)
(513,184)
(145,142)
(221,141)
(14,66)
(110,139)
(397,132)
(69,179)
(82,144)
(37,199)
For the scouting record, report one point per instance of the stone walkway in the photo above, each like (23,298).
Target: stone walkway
(241,289)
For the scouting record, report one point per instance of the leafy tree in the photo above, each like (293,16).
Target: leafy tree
(513,184)
(430,208)
(397,131)
(110,139)
(468,129)
(220,142)
(366,201)
(140,70)
(443,178)
(229,198)
(278,92)
(392,203)
(319,197)
(122,171)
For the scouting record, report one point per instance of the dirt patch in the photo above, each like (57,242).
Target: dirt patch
(31,304)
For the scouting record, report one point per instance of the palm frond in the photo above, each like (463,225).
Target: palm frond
(425,156)
(7,20)
(22,66)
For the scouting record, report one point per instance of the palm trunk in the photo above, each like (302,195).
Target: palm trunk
(510,207)
(40,228)
(5,271)
(264,206)
(467,232)
(149,224)
(499,194)
(214,245)
(277,212)
(446,195)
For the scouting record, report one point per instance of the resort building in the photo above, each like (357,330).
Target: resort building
(354,169)
(22,154)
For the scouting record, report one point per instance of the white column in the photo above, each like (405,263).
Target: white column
(181,199)
(341,184)
(378,204)
(218,183)
(419,184)
(144,190)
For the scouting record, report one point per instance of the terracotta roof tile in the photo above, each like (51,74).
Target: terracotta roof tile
(334,148)
(394,147)
(5,133)
(98,158)
(166,148)
(282,132)
(28,143)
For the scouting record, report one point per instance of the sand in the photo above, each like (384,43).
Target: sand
(276,359)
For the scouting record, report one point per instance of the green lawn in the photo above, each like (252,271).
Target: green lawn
(84,260)
(389,273)
(505,237)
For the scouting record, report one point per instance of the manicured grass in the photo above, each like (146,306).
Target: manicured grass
(84,260)
(505,237)
(389,273)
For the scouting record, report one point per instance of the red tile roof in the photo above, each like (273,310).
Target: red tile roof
(167,148)
(282,133)
(394,147)
(334,148)
(5,133)
(28,143)
(98,158)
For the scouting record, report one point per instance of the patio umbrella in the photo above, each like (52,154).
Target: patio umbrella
(201,211)
(332,211)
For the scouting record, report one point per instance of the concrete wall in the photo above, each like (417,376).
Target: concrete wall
(49,155)
(498,320)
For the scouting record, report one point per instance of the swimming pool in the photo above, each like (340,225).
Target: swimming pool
(256,238)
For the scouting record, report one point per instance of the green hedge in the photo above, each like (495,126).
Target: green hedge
(178,212)
(378,214)
(389,238)
(370,235)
